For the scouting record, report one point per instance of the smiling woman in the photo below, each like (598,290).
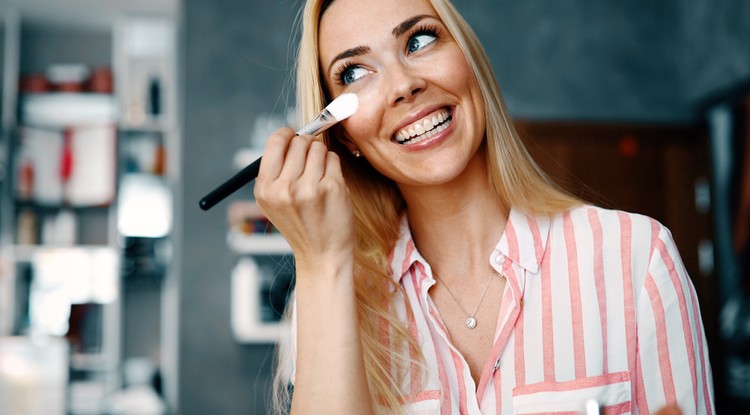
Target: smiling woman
(416,66)
(438,269)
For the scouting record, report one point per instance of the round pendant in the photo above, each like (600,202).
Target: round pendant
(471,322)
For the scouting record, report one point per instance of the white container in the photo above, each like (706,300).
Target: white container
(33,375)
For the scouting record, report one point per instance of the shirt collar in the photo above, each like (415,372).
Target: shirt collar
(525,239)
(404,253)
(523,242)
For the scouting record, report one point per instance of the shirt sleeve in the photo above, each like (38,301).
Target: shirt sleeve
(672,357)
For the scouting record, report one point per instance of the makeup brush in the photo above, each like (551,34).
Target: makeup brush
(339,109)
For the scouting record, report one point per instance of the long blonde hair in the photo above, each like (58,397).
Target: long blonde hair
(515,179)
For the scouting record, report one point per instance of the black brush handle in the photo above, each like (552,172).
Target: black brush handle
(243,177)
(321,123)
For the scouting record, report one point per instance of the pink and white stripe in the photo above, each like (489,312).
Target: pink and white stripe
(597,305)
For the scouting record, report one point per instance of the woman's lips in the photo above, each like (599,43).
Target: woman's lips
(425,127)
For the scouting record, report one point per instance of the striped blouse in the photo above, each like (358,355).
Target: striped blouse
(597,304)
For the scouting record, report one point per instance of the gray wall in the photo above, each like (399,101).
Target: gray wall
(715,36)
(583,59)
(586,59)
(235,67)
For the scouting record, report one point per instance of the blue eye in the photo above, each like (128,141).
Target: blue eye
(419,41)
(350,74)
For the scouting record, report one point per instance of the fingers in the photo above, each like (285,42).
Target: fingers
(296,157)
(333,165)
(290,157)
(274,154)
(315,164)
(301,190)
(285,155)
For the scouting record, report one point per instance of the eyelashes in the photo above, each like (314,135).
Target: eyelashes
(344,72)
(424,30)
(349,72)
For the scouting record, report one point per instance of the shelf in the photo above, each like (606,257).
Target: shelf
(148,126)
(258,243)
(86,362)
(261,333)
(44,207)
(58,110)
(25,253)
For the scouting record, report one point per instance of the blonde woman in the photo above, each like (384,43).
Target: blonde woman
(438,270)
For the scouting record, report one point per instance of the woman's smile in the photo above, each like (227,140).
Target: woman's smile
(424,128)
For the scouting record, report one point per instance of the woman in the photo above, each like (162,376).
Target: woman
(438,269)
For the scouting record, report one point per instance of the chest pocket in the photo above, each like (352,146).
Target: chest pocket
(611,391)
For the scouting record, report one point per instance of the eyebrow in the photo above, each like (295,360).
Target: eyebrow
(407,24)
(358,51)
(397,31)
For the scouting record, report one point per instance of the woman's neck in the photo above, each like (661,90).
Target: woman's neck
(455,225)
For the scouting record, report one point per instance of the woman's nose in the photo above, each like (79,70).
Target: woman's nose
(405,83)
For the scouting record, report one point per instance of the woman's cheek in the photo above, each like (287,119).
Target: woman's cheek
(362,126)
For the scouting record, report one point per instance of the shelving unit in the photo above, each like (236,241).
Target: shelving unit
(263,275)
(261,282)
(66,157)
(249,320)
(273,244)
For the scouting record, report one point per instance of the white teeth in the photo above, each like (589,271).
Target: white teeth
(426,126)
(428,134)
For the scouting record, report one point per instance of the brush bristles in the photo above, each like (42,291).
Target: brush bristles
(344,106)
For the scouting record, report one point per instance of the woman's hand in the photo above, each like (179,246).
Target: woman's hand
(301,190)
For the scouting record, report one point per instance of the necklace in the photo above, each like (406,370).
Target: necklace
(471,320)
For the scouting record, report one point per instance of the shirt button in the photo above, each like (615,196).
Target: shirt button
(500,259)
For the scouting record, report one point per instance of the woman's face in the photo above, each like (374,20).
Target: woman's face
(421,115)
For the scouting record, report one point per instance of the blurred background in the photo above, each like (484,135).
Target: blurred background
(118,295)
